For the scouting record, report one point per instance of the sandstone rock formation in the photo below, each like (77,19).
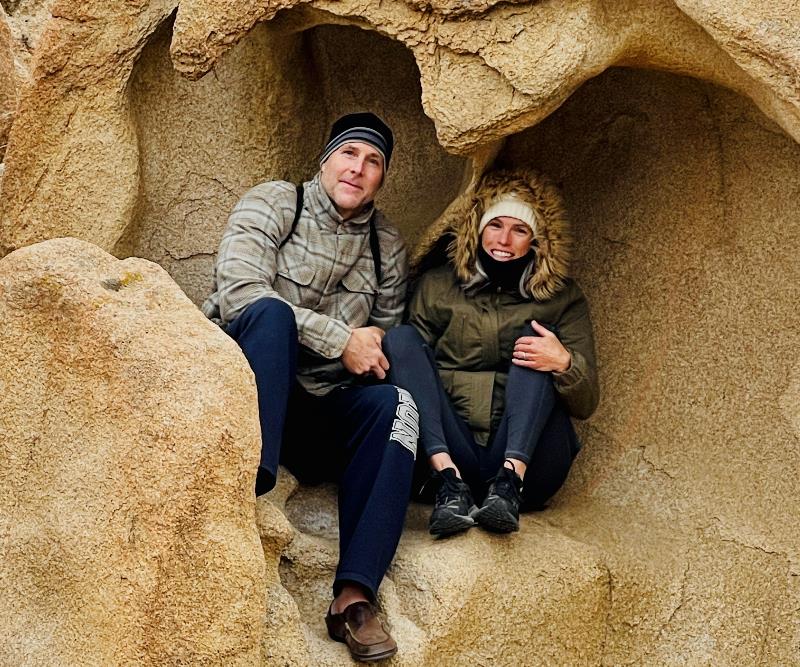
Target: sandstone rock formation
(21,24)
(519,61)
(127,457)
(9,82)
(675,540)
(472,600)
(25,20)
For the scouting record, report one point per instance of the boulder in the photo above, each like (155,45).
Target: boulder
(127,465)
(534,597)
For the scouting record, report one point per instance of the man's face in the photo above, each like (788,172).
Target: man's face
(352,176)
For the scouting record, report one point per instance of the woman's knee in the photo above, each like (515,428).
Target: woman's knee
(529,379)
(401,340)
(527,330)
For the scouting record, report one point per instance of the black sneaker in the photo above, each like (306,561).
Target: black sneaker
(500,510)
(454,506)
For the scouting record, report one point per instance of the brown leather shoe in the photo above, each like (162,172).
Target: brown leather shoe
(359,627)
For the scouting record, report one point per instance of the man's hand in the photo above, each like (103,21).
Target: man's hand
(541,353)
(363,354)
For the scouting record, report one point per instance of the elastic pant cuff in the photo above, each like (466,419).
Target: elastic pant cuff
(343,578)
(436,450)
(518,455)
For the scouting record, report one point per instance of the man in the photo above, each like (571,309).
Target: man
(307,282)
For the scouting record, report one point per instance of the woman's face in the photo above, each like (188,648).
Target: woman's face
(506,238)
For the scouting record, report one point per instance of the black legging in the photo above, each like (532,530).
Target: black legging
(535,427)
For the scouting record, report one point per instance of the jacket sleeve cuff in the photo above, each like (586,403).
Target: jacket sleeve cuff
(573,374)
(322,334)
(337,338)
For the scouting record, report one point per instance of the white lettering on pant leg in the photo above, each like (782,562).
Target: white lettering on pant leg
(405,428)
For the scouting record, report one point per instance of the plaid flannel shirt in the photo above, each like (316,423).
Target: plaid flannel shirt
(325,272)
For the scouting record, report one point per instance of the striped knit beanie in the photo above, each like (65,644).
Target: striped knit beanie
(366,127)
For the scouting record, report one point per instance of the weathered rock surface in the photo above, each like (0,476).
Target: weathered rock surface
(127,457)
(26,20)
(9,82)
(518,61)
(472,600)
(21,24)
(675,540)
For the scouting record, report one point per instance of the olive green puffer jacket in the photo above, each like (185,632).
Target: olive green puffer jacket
(473,336)
(471,326)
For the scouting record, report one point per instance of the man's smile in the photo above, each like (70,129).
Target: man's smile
(352,185)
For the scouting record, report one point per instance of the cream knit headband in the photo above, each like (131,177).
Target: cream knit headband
(509,206)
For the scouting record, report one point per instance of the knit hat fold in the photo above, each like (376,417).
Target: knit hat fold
(365,127)
(511,207)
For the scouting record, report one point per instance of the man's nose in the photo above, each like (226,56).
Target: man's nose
(357,165)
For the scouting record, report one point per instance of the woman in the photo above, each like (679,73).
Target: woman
(498,354)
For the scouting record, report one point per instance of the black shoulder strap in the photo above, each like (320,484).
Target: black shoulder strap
(374,243)
(298,209)
(375,246)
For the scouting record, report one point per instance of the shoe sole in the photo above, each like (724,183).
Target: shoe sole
(388,653)
(373,658)
(496,519)
(450,524)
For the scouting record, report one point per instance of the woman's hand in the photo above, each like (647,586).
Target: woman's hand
(541,353)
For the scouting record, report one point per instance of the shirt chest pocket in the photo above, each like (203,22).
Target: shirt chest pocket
(359,289)
(295,284)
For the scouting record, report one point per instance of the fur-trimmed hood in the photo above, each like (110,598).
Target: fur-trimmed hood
(454,236)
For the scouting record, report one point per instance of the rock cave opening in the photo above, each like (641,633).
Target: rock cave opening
(263,113)
(680,193)
(676,534)
(681,197)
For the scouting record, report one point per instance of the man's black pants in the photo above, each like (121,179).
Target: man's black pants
(363,437)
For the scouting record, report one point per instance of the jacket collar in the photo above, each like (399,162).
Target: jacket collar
(454,236)
(479,280)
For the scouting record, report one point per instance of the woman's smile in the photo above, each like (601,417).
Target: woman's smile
(506,238)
